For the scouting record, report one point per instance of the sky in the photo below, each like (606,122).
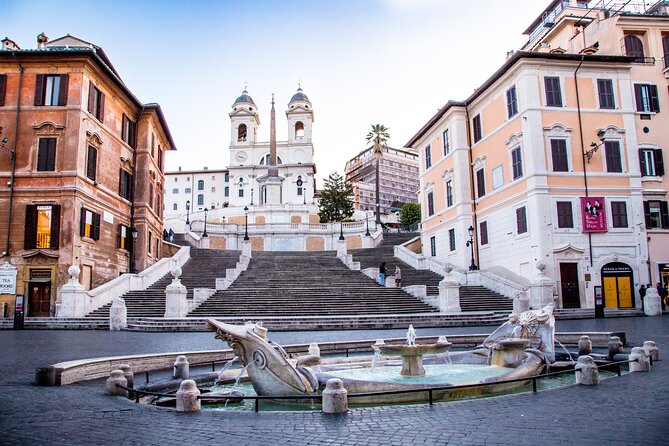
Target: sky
(360,62)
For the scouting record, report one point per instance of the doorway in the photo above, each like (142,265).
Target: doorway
(39,299)
(571,297)
(617,280)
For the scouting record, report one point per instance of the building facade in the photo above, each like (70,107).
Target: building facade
(84,170)
(398,178)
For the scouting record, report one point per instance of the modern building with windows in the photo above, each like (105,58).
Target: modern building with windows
(558,158)
(82,168)
(398,178)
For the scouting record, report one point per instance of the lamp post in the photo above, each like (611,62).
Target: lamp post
(470,243)
(341,224)
(367,221)
(133,263)
(187,212)
(204,234)
(246,223)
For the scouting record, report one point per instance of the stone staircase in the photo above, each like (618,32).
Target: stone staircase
(201,271)
(296,284)
(472,298)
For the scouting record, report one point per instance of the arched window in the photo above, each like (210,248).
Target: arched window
(299,130)
(265,160)
(241,132)
(200,200)
(200,185)
(174,207)
(634,47)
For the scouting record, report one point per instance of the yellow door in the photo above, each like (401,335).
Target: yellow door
(625,292)
(610,292)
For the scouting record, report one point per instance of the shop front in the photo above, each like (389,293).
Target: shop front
(618,285)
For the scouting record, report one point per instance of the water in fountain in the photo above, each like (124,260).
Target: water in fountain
(571,358)
(374,359)
(228,364)
(239,377)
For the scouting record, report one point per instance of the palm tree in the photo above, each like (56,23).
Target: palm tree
(379,135)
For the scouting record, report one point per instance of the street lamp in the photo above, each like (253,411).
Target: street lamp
(341,224)
(246,223)
(204,234)
(367,221)
(133,264)
(187,212)
(470,243)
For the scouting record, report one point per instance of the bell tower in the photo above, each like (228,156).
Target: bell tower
(244,121)
(300,116)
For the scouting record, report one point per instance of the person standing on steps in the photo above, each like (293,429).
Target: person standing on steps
(398,277)
(382,274)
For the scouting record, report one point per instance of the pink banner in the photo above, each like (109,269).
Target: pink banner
(594,214)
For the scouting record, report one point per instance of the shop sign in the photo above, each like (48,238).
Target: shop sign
(7,279)
(40,274)
(593,214)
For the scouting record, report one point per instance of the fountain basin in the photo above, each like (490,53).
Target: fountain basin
(412,355)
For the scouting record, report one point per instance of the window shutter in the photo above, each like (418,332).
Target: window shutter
(3,88)
(42,155)
(101,107)
(118,235)
(646,212)
(55,226)
(642,163)
(91,98)
(664,211)
(121,182)
(639,97)
(51,154)
(82,222)
(654,99)
(659,162)
(39,89)
(92,163)
(62,94)
(133,134)
(30,234)
(96,227)
(124,125)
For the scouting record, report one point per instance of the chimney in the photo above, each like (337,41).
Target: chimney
(42,39)
(9,45)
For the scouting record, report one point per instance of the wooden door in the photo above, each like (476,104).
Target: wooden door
(571,297)
(39,300)
(625,292)
(610,292)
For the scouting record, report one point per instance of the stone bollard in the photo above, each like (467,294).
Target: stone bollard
(587,372)
(181,368)
(118,315)
(652,303)
(314,349)
(116,377)
(584,346)
(643,362)
(651,350)
(129,376)
(187,397)
(615,346)
(335,397)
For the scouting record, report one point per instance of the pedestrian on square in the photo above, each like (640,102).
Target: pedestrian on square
(165,234)
(398,277)
(382,274)
(662,291)
(642,294)
(171,235)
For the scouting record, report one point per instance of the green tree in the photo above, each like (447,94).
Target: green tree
(336,195)
(409,214)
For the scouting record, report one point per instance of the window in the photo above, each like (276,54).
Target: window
(605,91)
(634,47)
(521,220)
(129,132)
(517,163)
(478,132)
(123,237)
(511,102)
(553,93)
(149,240)
(614,163)
(160,158)
(619,214)
(559,155)
(91,163)
(227,191)
(187,190)
(213,188)
(46,155)
(447,142)
(3,88)
(657,214)
(200,185)
(483,230)
(647,99)
(265,160)
(451,239)
(51,89)
(480,183)
(665,46)
(175,191)
(428,157)
(227,178)
(433,246)
(200,200)
(125,184)
(449,193)
(151,196)
(89,225)
(241,133)
(96,102)
(430,203)
(565,215)
(175,207)
(652,162)
(42,228)
(299,130)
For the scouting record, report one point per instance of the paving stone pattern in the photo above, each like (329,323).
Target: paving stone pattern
(631,410)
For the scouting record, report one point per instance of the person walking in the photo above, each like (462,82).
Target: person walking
(382,274)
(662,291)
(642,294)
(398,277)
(171,235)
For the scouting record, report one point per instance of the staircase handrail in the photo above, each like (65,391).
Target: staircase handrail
(497,283)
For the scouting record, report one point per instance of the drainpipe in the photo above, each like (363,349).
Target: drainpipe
(133,259)
(580,130)
(471,188)
(13,156)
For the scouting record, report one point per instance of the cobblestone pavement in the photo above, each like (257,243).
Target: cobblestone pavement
(630,410)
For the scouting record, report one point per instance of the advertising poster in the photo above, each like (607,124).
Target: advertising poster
(594,214)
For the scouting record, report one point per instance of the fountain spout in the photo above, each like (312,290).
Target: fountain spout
(411,336)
